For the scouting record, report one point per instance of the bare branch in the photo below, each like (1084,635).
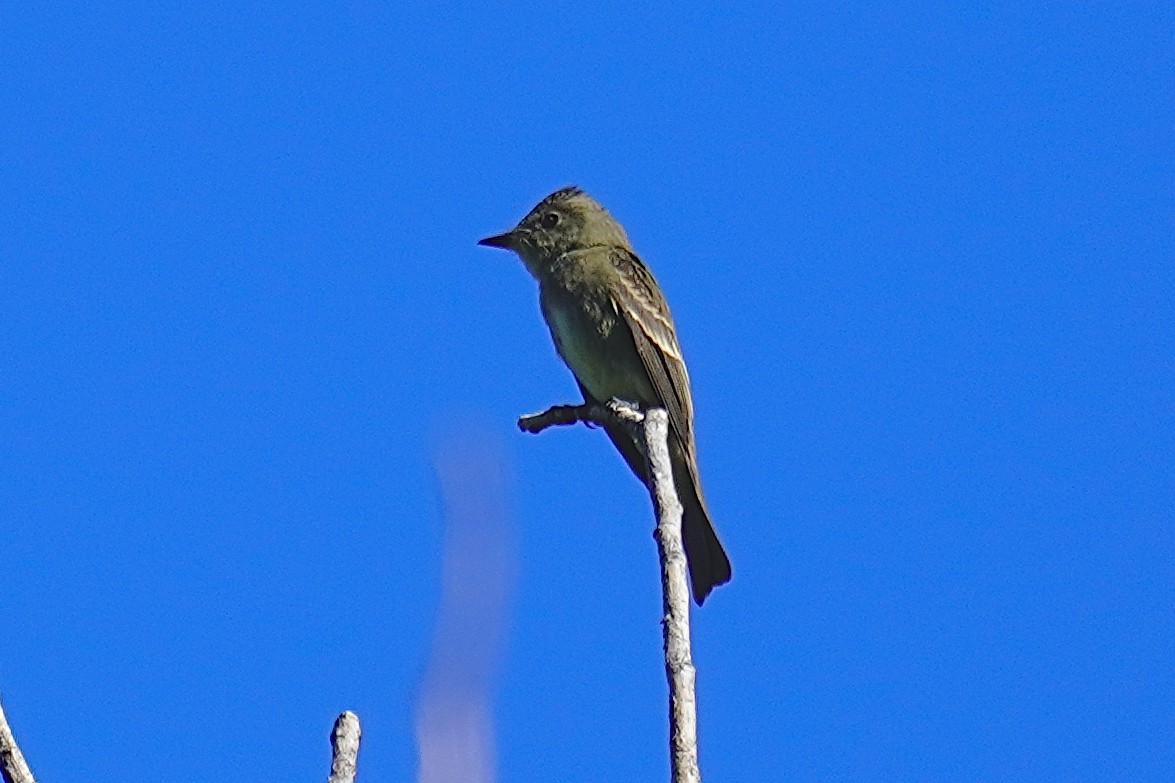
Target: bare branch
(616,412)
(651,431)
(12,763)
(344,743)
(556,415)
(679,665)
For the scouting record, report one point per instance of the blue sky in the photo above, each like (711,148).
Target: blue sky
(920,258)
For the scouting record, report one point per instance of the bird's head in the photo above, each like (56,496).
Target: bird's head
(566,220)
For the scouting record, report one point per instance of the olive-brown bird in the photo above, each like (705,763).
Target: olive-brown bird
(611,325)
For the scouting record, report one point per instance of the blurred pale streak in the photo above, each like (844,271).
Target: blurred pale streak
(454,724)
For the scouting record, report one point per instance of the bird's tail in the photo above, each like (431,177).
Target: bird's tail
(708,564)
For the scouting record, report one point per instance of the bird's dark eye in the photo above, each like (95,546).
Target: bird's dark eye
(550,220)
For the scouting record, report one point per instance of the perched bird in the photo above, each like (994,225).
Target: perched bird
(611,325)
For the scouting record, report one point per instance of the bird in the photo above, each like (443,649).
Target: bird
(612,328)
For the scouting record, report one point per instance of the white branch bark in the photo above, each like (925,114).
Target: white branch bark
(12,763)
(679,664)
(651,430)
(344,743)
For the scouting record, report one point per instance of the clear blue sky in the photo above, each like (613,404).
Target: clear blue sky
(921,261)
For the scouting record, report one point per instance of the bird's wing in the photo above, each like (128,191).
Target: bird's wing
(640,302)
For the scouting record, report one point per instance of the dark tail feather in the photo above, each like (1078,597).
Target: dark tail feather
(708,564)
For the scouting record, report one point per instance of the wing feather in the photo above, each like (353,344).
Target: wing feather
(642,305)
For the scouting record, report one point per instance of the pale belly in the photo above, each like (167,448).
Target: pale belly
(606,365)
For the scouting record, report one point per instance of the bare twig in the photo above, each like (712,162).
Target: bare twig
(344,743)
(615,412)
(679,664)
(556,415)
(12,763)
(651,431)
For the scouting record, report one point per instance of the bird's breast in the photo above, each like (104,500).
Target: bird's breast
(597,346)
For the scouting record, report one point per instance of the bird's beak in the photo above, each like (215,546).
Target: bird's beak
(505,241)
